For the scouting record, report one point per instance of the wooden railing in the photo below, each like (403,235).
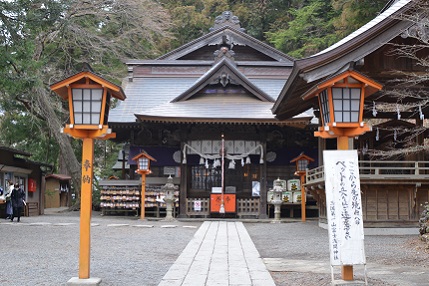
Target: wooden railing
(380,170)
(248,207)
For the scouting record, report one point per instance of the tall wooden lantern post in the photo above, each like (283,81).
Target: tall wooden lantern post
(143,162)
(341,104)
(302,162)
(88,97)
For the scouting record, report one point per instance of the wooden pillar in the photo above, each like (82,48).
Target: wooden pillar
(86,207)
(321,142)
(183,193)
(143,197)
(303,197)
(346,270)
(420,140)
(263,185)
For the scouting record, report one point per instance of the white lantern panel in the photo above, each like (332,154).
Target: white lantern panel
(77,93)
(95,117)
(78,120)
(86,118)
(97,95)
(338,104)
(87,105)
(302,164)
(143,163)
(346,117)
(338,116)
(346,104)
(355,93)
(96,106)
(77,106)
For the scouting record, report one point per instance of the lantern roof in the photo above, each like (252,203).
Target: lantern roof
(61,87)
(301,157)
(143,154)
(371,86)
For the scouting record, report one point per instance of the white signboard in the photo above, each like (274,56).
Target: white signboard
(197,206)
(344,207)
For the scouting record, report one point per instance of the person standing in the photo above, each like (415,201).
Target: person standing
(8,193)
(18,201)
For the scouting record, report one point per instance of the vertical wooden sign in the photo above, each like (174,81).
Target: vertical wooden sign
(344,207)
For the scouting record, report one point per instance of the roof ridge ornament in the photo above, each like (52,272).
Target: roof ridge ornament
(227,19)
(224,51)
(420,29)
(224,79)
(87,67)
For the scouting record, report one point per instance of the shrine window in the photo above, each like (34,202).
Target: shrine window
(204,179)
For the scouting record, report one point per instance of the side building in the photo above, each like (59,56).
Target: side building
(16,167)
(394,189)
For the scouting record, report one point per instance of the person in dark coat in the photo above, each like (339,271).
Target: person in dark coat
(18,201)
(7,194)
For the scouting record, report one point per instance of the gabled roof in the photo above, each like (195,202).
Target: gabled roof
(224,72)
(225,77)
(308,72)
(370,85)
(61,87)
(235,37)
(15,151)
(60,177)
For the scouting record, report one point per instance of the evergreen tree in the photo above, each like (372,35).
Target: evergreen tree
(42,42)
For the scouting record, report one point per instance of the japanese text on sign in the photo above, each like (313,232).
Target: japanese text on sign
(344,207)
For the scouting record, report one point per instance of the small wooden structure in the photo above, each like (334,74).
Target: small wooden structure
(57,191)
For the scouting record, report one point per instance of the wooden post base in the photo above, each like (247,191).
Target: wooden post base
(347,272)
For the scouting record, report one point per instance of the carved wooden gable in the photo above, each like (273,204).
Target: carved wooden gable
(227,33)
(224,76)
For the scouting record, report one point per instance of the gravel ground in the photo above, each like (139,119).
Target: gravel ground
(37,253)
(307,241)
(44,250)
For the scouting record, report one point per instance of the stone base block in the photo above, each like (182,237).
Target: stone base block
(76,281)
(348,283)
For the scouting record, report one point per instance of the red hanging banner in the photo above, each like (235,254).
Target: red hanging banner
(31,185)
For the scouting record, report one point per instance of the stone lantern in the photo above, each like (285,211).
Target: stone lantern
(169,188)
(279,186)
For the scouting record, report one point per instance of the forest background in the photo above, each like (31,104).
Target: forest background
(43,42)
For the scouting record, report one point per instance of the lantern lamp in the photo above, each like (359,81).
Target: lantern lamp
(143,162)
(341,103)
(302,162)
(143,167)
(88,97)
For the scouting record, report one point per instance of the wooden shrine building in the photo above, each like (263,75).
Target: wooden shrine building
(394,189)
(181,106)
(229,96)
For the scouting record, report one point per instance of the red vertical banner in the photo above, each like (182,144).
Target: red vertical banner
(31,185)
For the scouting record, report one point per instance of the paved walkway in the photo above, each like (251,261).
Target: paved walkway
(220,253)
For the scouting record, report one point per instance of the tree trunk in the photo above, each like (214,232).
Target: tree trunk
(73,166)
